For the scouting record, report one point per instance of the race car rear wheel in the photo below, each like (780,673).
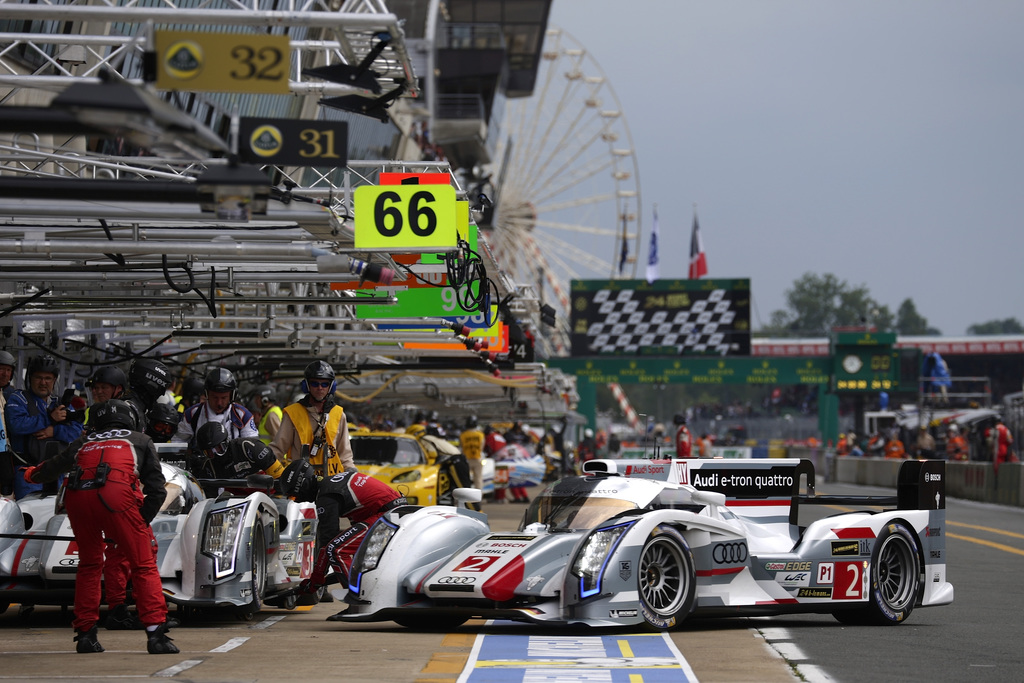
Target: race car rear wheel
(666,579)
(895,579)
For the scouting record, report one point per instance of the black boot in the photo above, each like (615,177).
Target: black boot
(158,643)
(87,641)
(120,619)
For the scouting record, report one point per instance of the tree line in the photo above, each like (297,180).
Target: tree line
(818,303)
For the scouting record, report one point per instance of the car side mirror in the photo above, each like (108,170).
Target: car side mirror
(464,496)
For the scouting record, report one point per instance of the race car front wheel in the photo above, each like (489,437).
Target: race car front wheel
(259,572)
(666,580)
(895,578)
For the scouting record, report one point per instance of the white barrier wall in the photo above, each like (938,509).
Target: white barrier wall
(967,480)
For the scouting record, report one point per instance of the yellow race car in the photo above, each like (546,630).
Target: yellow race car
(417,468)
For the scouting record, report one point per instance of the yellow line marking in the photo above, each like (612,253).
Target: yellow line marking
(986,528)
(446,663)
(625,649)
(979,541)
(458,640)
(636,678)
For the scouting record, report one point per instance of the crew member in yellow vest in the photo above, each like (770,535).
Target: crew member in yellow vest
(472,442)
(315,428)
(271,413)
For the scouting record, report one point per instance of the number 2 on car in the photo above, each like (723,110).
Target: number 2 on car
(396,217)
(475,563)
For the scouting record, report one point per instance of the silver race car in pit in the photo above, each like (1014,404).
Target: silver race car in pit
(651,543)
(235,550)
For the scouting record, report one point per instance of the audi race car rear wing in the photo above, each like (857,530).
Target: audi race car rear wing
(762,487)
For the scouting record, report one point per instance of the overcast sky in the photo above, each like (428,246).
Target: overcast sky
(879,140)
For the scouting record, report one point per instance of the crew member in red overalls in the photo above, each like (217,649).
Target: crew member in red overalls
(684,440)
(1002,440)
(108,467)
(360,498)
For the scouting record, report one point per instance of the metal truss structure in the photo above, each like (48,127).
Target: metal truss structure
(97,280)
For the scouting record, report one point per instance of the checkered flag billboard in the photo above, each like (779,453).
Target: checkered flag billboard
(661,318)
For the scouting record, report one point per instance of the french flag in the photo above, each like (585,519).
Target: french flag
(698,260)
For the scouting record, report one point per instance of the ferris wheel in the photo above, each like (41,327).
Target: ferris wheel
(568,185)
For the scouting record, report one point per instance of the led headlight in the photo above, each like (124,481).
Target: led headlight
(369,552)
(592,557)
(221,538)
(407,477)
(374,545)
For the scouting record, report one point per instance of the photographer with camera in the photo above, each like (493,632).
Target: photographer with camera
(7,365)
(39,424)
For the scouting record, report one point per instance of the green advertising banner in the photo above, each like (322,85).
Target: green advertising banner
(697,370)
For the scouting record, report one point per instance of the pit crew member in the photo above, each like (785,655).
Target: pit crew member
(472,443)
(220,406)
(225,458)
(108,467)
(314,428)
(359,497)
(684,440)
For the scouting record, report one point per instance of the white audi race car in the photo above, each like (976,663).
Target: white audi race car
(233,551)
(651,543)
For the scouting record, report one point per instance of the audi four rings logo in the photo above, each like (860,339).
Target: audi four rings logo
(109,434)
(457,579)
(729,553)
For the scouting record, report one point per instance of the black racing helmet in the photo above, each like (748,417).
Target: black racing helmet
(192,388)
(679,419)
(471,422)
(110,374)
(221,379)
(265,393)
(299,481)
(162,420)
(212,439)
(43,363)
(319,369)
(149,378)
(112,413)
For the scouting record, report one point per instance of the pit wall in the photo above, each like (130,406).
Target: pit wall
(966,480)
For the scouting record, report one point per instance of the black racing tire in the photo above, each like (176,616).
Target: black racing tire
(666,579)
(259,572)
(431,622)
(895,580)
(4,606)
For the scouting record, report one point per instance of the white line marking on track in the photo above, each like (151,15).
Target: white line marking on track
(814,674)
(230,645)
(791,652)
(774,634)
(51,677)
(268,622)
(178,668)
